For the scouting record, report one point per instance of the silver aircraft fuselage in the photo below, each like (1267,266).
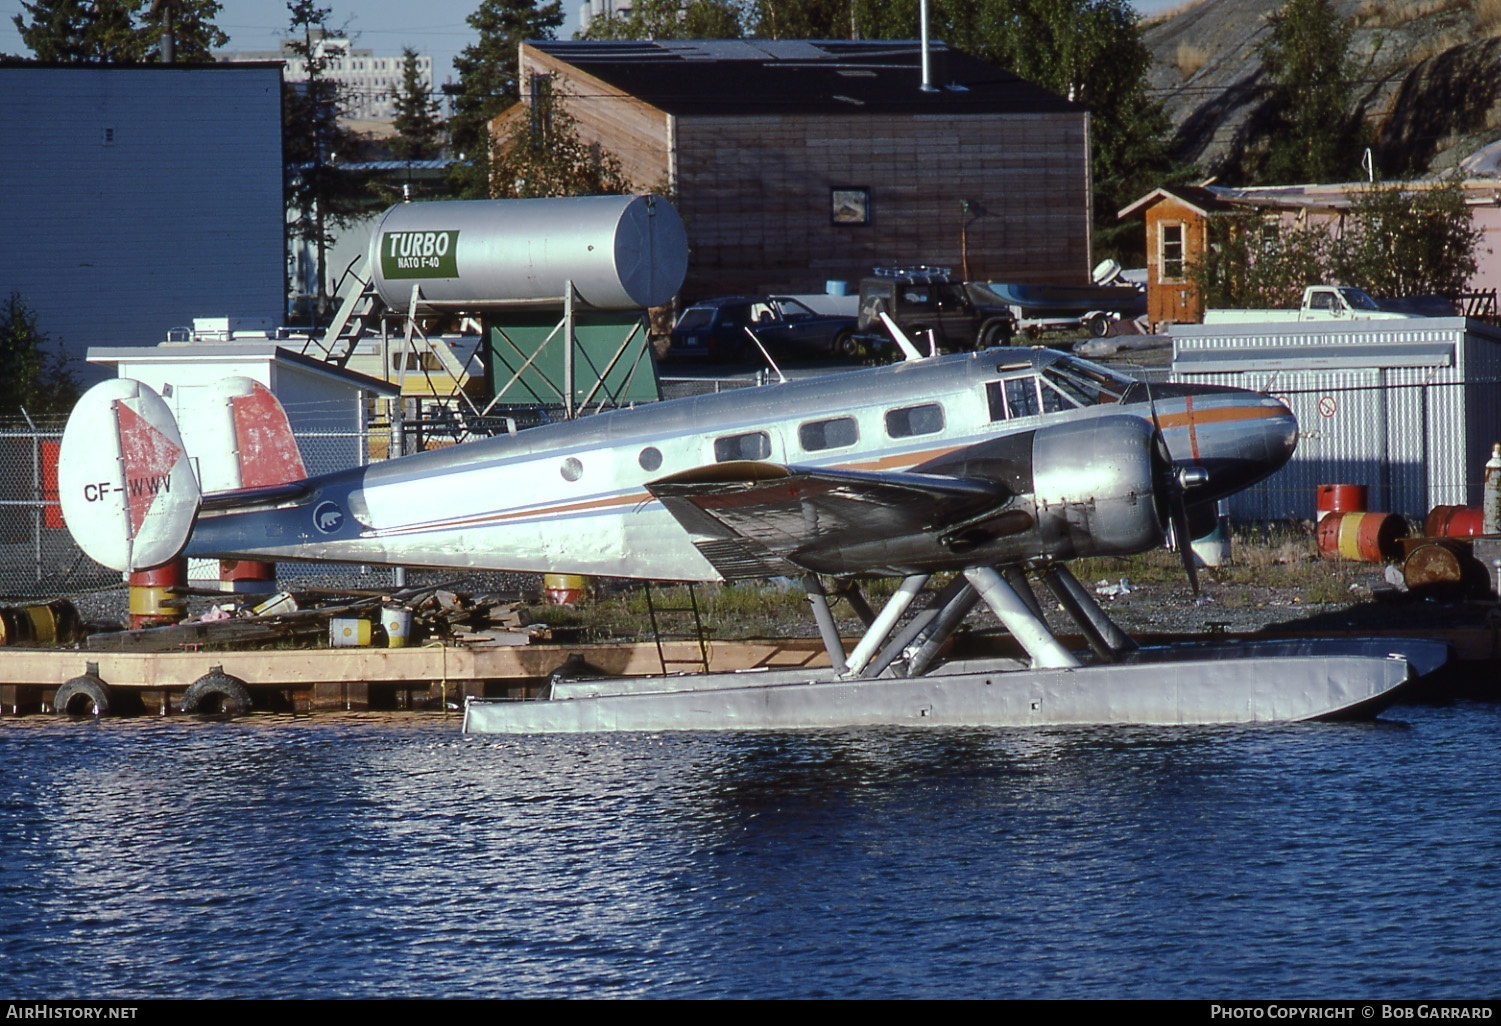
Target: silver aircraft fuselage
(572,497)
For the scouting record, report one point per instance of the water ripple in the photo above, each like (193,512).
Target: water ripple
(292,858)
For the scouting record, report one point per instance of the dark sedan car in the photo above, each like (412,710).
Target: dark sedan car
(716,328)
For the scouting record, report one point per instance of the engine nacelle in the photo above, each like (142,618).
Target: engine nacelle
(1090,488)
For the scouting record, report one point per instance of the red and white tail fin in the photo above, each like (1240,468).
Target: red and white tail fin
(254,447)
(126,486)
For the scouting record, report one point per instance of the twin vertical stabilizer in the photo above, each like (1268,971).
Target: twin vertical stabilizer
(130,492)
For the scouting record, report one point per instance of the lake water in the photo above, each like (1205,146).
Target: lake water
(281,857)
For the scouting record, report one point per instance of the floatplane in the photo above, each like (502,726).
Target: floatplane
(970,477)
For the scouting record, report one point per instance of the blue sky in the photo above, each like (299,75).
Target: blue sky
(437,27)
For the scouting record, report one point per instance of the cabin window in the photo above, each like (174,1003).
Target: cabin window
(1170,253)
(753,445)
(914,420)
(572,469)
(828,434)
(650,458)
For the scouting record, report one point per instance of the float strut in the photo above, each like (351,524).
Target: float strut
(827,629)
(1107,640)
(882,624)
(930,641)
(1046,651)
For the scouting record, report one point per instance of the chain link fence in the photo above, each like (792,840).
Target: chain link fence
(38,557)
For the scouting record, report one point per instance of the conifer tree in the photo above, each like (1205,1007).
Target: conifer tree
(489,83)
(419,130)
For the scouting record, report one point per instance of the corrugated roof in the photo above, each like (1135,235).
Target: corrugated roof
(753,76)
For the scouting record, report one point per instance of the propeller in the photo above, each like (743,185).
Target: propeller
(1173,483)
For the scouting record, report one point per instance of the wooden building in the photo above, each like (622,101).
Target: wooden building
(795,163)
(1177,237)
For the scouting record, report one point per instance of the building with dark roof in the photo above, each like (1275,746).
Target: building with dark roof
(794,163)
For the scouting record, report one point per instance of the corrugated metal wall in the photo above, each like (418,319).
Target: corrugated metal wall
(1407,408)
(138,197)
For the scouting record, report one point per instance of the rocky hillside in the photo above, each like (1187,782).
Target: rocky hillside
(1428,79)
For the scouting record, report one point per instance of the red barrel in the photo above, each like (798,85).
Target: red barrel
(154,595)
(247,576)
(1454,522)
(1341,498)
(1363,537)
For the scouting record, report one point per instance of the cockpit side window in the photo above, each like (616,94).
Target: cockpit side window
(1053,400)
(753,445)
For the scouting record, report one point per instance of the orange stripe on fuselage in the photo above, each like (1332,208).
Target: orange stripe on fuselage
(1215,415)
(1189,418)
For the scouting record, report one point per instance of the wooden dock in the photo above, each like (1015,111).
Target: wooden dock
(303,680)
(442,676)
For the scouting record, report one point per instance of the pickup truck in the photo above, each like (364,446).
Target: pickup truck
(1320,303)
(922,299)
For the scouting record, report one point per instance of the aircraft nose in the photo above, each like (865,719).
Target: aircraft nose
(1282,431)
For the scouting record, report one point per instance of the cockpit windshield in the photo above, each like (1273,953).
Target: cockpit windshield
(1025,389)
(1087,383)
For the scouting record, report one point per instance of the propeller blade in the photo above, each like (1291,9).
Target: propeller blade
(1172,484)
(1184,542)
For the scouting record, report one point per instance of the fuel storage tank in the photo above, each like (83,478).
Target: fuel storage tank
(620,252)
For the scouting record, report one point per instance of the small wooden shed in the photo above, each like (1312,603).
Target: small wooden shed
(1177,236)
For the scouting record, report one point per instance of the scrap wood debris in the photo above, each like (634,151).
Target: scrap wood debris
(305,615)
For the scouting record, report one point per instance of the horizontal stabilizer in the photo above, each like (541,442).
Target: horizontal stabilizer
(127,490)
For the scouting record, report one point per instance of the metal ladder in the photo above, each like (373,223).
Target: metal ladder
(654,611)
(361,308)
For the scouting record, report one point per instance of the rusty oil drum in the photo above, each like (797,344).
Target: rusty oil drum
(1444,569)
(1363,537)
(1454,522)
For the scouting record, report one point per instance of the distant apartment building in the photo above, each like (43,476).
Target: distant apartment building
(370,82)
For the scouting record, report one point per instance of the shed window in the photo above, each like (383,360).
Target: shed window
(1171,251)
(914,420)
(753,445)
(828,434)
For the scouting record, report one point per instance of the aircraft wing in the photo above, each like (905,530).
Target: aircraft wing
(754,519)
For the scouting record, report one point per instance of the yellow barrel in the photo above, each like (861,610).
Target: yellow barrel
(1363,537)
(348,633)
(15,626)
(565,589)
(54,623)
(397,620)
